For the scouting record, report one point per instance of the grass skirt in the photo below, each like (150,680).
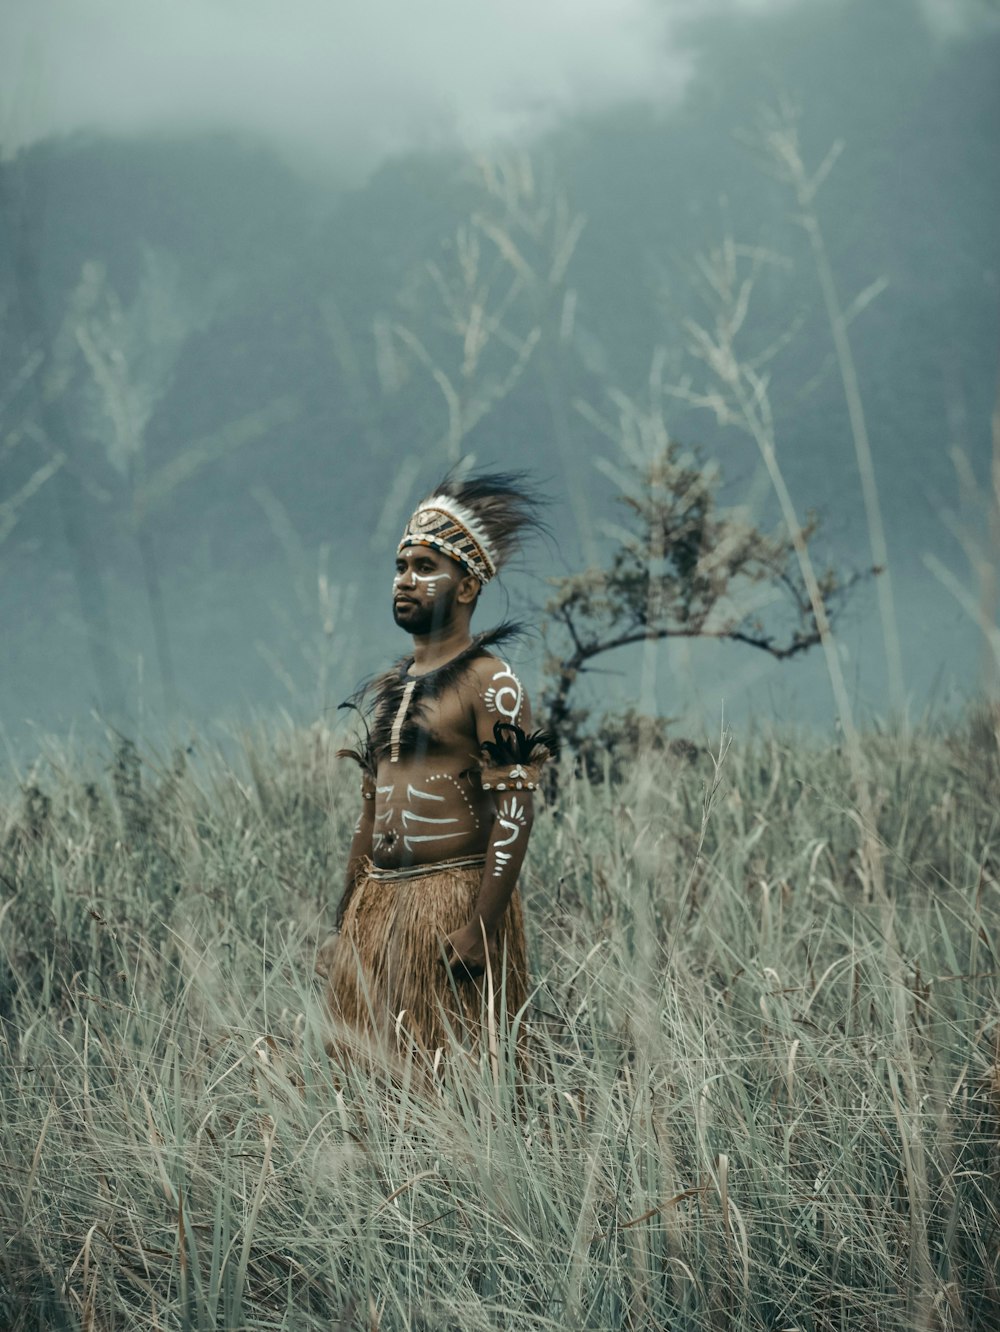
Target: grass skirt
(386,977)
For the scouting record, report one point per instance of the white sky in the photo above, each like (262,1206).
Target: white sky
(351,81)
(341,79)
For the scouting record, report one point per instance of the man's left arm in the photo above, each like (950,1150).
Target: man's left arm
(502,717)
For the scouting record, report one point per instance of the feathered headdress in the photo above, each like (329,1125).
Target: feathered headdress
(480,521)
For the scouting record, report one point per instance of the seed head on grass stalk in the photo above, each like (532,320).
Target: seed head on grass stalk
(737,392)
(734,1135)
(777,142)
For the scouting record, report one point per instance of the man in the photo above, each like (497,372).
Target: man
(430,921)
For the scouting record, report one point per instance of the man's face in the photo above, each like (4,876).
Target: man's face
(423,590)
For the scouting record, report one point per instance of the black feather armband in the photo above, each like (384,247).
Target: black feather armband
(364,757)
(513,760)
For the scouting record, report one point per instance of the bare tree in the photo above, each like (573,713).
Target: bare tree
(682,566)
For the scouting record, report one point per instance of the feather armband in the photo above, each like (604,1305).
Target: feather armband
(364,757)
(512,760)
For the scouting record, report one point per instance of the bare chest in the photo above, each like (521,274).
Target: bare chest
(429,803)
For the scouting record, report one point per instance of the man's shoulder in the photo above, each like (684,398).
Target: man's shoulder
(486,668)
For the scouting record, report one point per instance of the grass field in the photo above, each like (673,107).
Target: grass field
(764,1094)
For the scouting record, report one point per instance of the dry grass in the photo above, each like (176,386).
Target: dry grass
(743,1112)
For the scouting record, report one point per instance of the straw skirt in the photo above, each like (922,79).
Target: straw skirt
(386,978)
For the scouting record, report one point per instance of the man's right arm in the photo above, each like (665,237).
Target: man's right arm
(360,852)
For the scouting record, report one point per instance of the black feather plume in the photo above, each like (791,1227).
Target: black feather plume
(379,699)
(511,745)
(503,504)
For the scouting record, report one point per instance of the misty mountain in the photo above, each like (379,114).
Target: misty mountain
(245,361)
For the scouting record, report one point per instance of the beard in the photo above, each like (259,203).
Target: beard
(422,619)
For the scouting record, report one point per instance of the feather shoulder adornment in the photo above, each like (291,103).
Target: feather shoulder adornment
(379,701)
(513,760)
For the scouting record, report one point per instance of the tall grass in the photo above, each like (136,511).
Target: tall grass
(741,1111)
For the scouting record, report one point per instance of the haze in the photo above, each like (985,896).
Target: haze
(224,230)
(345,82)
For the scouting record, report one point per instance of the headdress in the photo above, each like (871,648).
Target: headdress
(477,520)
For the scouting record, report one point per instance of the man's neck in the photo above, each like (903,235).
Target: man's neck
(435,650)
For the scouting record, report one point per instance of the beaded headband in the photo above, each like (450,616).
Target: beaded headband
(445,525)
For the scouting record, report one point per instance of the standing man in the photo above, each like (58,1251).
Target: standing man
(430,920)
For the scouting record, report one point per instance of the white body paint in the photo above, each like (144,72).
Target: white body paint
(447,777)
(410,841)
(387,792)
(512,818)
(411,817)
(413,794)
(505,695)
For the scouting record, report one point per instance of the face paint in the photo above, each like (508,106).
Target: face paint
(505,695)
(430,582)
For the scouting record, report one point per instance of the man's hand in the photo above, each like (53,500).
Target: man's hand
(324,955)
(466,951)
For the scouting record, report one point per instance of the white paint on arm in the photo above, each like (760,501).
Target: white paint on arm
(504,696)
(512,818)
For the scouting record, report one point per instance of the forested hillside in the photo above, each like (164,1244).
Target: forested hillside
(246,359)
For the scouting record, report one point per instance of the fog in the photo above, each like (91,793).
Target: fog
(229,235)
(346,83)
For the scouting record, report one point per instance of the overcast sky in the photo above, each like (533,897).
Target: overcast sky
(347,81)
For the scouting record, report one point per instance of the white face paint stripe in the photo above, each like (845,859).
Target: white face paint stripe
(429,581)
